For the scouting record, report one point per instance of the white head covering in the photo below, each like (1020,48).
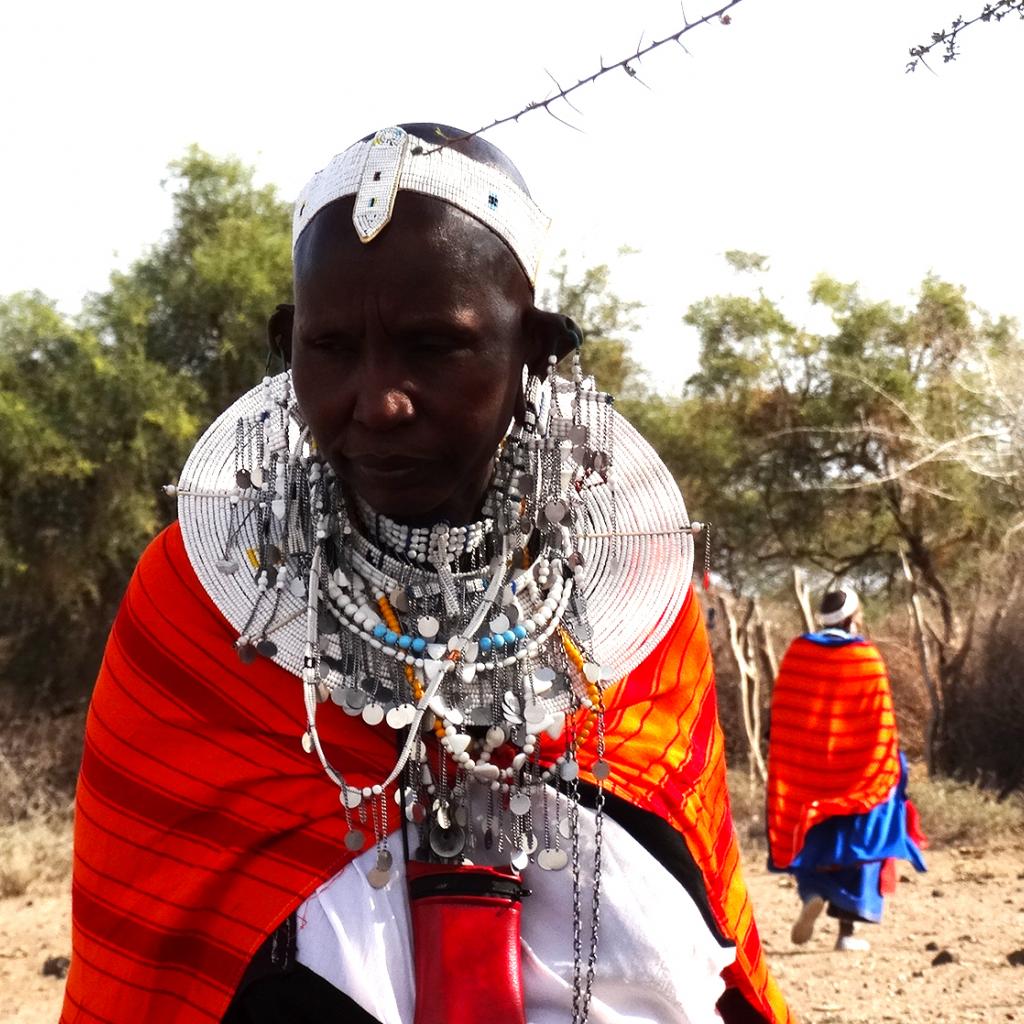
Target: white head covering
(375,170)
(849,608)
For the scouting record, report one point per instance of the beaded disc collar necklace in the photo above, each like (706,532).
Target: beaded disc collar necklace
(470,641)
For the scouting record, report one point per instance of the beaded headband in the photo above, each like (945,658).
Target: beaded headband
(375,171)
(849,608)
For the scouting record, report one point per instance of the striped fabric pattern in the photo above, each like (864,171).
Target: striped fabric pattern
(667,755)
(201,824)
(833,747)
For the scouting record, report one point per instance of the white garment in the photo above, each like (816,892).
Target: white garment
(657,961)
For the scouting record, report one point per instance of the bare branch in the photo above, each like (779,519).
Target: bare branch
(947,38)
(720,16)
(558,86)
(941,452)
(860,378)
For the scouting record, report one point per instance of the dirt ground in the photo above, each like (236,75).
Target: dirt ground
(969,907)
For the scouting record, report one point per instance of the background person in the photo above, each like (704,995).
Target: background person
(838,813)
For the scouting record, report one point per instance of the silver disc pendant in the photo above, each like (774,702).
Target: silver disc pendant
(555,511)
(350,797)
(243,479)
(378,877)
(441,815)
(354,698)
(519,804)
(384,860)
(267,648)
(428,627)
(373,714)
(355,840)
(552,860)
(569,770)
(565,828)
(519,860)
(447,842)
(601,770)
(246,653)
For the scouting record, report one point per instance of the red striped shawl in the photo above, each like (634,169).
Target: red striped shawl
(833,747)
(201,824)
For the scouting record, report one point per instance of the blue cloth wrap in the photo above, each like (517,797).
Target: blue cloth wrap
(841,858)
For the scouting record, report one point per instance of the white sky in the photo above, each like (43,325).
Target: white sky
(793,132)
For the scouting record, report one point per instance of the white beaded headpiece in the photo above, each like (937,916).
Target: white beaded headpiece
(850,606)
(375,171)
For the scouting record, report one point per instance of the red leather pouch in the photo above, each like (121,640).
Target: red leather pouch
(465,937)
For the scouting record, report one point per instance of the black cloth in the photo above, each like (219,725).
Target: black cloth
(295,996)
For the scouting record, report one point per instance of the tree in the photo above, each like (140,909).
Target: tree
(89,431)
(606,321)
(198,301)
(850,449)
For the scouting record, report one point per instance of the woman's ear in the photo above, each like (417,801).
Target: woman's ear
(279,331)
(551,334)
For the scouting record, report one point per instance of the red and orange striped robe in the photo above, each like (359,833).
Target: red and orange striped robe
(201,824)
(833,747)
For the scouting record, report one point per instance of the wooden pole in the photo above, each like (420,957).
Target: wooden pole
(803,598)
(746,671)
(935,704)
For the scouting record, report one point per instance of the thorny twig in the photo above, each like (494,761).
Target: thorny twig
(721,16)
(947,38)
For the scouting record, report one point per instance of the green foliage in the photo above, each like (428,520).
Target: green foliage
(746,262)
(605,319)
(89,430)
(198,301)
(837,448)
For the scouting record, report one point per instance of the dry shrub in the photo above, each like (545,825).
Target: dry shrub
(896,644)
(957,812)
(35,855)
(727,692)
(39,758)
(747,798)
(951,812)
(984,728)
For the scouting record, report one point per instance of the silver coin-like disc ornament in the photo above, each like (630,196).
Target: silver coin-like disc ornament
(552,859)
(378,877)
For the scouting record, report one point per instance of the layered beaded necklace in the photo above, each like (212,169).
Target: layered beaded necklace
(472,642)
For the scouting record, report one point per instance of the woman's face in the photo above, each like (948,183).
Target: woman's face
(407,354)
